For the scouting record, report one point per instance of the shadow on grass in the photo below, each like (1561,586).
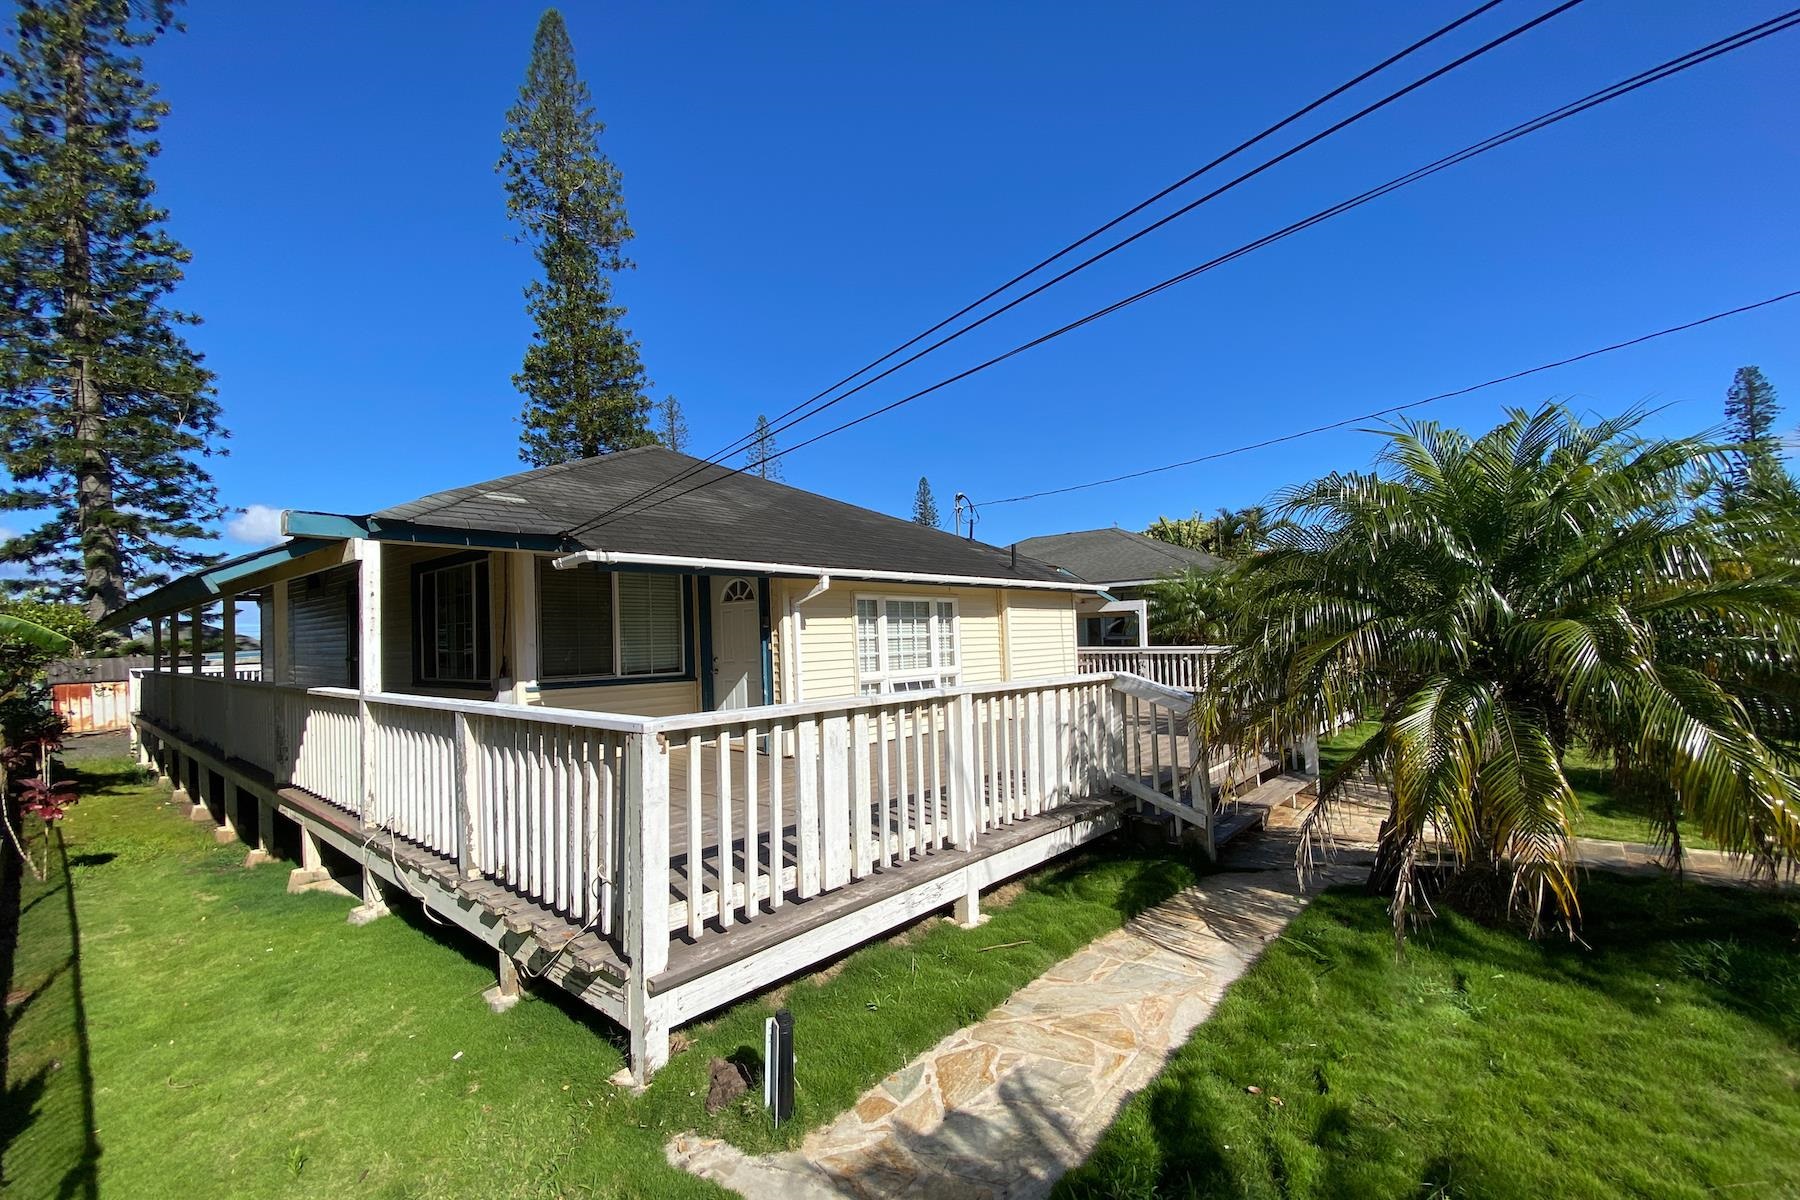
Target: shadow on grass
(25,1097)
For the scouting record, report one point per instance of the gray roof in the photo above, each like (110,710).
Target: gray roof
(1115,555)
(739,516)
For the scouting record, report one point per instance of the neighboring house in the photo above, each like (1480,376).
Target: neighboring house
(1123,563)
(661,754)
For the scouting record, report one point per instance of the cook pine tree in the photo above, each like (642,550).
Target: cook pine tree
(1751,410)
(107,415)
(925,509)
(762,453)
(671,425)
(585,389)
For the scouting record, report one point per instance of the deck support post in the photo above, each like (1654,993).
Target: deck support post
(507,992)
(226,795)
(196,790)
(264,850)
(646,817)
(177,777)
(374,901)
(1309,755)
(312,865)
(967,910)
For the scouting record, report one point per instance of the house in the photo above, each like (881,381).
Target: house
(1122,563)
(658,743)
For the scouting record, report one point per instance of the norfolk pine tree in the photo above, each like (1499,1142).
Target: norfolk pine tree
(671,426)
(1750,413)
(762,451)
(584,386)
(925,509)
(105,411)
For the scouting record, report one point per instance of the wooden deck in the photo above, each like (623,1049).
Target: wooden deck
(659,868)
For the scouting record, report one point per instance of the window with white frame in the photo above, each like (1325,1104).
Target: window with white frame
(598,624)
(905,644)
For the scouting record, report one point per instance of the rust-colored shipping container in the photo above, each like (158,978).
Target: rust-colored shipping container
(92,707)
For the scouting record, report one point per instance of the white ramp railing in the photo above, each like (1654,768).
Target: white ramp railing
(1185,667)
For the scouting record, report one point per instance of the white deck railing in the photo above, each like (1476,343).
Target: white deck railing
(1184,667)
(637,827)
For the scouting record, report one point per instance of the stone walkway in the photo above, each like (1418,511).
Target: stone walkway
(1003,1108)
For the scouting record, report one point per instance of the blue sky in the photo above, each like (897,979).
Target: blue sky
(813,183)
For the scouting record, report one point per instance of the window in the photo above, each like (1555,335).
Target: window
(575,622)
(597,624)
(450,617)
(905,644)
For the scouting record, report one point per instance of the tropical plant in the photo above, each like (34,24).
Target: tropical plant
(1490,601)
(1192,533)
(1194,608)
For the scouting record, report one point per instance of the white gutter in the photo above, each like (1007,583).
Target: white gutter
(623,558)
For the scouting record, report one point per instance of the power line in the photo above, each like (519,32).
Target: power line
(1624,87)
(1398,408)
(778,427)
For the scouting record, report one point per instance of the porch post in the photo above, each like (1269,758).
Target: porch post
(196,630)
(522,638)
(964,775)
(646,814)
(275,651)
(228,629)
(156,643)
(368,667)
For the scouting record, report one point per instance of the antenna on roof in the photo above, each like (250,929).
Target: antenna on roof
(961,502)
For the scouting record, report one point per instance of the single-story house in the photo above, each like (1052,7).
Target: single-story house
(1125,565)
(660,744)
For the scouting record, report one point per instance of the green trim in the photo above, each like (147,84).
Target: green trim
(208,583)
(339,526)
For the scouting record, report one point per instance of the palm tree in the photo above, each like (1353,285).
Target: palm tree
(1193,608)
(1491,601)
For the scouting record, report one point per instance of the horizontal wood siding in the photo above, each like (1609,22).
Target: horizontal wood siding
(828,633)
(665,699)
(982,658)
(1040,634)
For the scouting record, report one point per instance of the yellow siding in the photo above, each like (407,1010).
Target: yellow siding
(1044,627)
(666,699)
(1040,634)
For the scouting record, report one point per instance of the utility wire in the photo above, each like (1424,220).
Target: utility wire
(1624,87)
(777,426)
(1398,408)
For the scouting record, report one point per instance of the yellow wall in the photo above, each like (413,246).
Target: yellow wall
(1035,638)
(1040,634)
(666,699)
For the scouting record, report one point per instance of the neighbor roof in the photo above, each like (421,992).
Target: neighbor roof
(1115,556)
(735,516)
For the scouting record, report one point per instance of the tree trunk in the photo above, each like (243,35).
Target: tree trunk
(103,583)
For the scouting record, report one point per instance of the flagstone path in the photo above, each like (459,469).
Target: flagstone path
(1003,1108)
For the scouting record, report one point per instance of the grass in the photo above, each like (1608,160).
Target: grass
(1602,814)
(1664,1061)
(182,1026)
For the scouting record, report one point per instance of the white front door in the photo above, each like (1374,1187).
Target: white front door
(737,642)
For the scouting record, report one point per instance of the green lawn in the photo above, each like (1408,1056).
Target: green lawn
(183,1027)
(1602,814)
(1664,1061)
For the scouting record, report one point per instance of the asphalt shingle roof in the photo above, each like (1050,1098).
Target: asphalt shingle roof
(1114,555)
(737,517)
